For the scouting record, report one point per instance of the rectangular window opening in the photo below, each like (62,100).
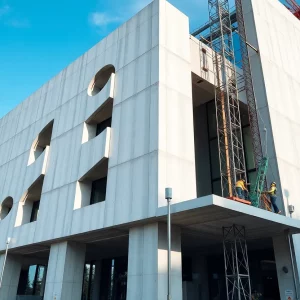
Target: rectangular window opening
(35,211)
(98,192)
(103,125)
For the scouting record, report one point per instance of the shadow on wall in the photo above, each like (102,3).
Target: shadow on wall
(6,207)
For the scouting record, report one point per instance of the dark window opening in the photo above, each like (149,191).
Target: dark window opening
(28,212)
(187,269)
(103,125)
(88,281)
(114,279)
(35,211)
(32,281)
(99,120)
(98,192)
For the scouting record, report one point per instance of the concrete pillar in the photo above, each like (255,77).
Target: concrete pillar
(13,265)
(147,263)
(283,259)
(97,280)
(65,271)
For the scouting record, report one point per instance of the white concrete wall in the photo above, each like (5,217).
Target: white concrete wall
(11,276)
(151,144)
(202,63)
(276,74)
(175,108)
(283,259)
(65,271)
(276,33)
(147,263)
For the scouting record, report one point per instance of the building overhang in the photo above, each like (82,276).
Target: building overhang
(201,221)
(207,215)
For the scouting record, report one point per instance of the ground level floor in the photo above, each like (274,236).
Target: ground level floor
(131,262)
(134,266)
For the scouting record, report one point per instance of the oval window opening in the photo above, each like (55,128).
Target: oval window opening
(6,207)
(100,80)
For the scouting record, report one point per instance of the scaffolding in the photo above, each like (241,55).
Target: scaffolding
(294,7)
(230,142)
(247,74)
(231,152)
(237,275)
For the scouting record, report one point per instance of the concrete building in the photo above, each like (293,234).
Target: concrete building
(85,160)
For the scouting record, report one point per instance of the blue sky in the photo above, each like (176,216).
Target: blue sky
(40,38)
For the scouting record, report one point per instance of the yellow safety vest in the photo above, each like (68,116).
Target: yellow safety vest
(240,184)
(272,190)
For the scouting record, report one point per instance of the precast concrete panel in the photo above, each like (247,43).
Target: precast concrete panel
(149,146)
(275,32)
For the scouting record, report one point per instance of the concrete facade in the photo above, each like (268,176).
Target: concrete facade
(50,152)
(276,33)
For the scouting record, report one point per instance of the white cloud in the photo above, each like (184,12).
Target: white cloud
(4,10)
(101,19)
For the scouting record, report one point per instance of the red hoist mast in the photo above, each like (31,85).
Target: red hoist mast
(294,7)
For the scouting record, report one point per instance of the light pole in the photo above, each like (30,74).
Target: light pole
(5,256)
(168,196)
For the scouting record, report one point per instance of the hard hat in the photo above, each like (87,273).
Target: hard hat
(273,183)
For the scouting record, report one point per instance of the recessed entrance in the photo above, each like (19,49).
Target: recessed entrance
(203,270)
(105,270)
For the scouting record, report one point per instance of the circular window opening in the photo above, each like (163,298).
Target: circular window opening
(6,207)
(100,80)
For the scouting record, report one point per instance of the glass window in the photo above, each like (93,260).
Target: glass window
(88,281)
(98,193)
(114,279)
(248,148)
(39,282)
(35,211)
(32,281)
(214,159)
(103,125)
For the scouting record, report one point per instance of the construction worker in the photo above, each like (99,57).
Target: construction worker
(241,189)
(272,193)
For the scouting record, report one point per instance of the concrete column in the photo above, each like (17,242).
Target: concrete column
(97,280)
(11,276)
(283,259)
(147,263)
(65,271)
